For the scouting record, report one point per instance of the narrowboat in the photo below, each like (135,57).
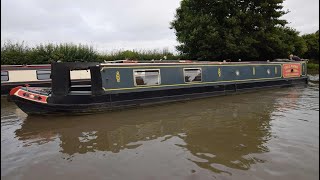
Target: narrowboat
(131,84)
(35,76)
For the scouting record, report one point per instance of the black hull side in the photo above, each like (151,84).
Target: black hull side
(34,108)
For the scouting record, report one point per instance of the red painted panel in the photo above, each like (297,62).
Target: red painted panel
(291,70)
(31,96)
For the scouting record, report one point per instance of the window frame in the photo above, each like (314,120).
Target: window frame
(37,74)
(134,77)
(184,75)
(5,75)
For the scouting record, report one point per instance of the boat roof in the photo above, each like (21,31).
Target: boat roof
(143,63)
(25,67)
(185,62)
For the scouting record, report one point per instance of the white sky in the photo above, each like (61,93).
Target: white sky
(114,24)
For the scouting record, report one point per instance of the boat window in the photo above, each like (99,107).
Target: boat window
(4,76)
(146,77)
(192,75)
(43,74)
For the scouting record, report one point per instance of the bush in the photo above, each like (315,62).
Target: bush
(19,53)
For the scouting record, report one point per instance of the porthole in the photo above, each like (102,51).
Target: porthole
(268,71)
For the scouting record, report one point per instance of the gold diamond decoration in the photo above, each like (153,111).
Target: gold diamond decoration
(118,76)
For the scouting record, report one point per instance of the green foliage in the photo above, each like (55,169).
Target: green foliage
(138,55)
(282,42)
(14,53)
(250,30)
(19,53)
(313,68)
(312,41)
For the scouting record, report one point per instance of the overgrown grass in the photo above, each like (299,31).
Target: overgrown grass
(20,53)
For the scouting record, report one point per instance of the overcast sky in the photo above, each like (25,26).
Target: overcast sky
(114,24)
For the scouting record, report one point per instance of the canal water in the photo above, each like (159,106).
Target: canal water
(271,134)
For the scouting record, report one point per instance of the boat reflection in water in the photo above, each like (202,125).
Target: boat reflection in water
(220,133)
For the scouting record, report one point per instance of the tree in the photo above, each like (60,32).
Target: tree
(224,29)
(282,42)
(312,41)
